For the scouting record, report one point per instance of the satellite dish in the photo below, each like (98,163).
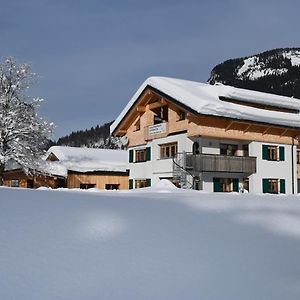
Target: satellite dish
(124,140)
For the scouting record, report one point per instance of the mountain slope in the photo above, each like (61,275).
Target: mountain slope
(276,71)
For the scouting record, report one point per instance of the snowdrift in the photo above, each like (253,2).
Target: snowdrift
(160,243)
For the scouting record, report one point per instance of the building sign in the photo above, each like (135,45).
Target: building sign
(157,128)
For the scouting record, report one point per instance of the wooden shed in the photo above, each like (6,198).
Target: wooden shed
(18,178)
(91,167)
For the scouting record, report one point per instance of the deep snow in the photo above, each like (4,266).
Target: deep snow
(159,243)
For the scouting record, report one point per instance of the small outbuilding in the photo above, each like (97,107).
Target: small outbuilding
(92,167)
(48,174)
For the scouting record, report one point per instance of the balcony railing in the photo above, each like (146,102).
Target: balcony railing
(219,163)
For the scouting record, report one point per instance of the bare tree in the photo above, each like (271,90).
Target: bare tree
(22,133)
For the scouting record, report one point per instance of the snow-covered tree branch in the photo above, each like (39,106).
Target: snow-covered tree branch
(23,134)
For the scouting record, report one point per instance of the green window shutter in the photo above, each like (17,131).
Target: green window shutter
(130,184)
(217,185)
(130,156)
(281,153)
(265,183)
(265,152)
(282,186)
(148,153)
(235,184)
(148,182)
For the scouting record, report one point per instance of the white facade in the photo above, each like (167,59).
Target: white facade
(211,164)
(286,169)
(157,168)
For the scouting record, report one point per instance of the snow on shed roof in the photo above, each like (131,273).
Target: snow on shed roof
(52,168)
(90,159)
(205,99)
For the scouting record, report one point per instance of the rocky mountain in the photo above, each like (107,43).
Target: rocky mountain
(276,71)
(95,137)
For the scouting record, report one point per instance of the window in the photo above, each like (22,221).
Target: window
(86,186)
(60,183)
(160,114)
(30,183)
(137,125)
(196,183)
(273,152)
(168,150)
(14,183)
(141,183)
(111,186)
(225,184)
(245,149)
(181,115)
(228,149)
(273,185)
(196,148)
(140,155)
(298,156)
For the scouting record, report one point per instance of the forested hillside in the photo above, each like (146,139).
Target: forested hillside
(95,137)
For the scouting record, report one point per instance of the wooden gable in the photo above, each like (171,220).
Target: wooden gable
(141,116)
(52,157)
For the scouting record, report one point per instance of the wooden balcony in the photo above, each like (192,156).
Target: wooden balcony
(220,163)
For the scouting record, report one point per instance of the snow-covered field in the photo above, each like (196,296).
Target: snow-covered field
(159,243)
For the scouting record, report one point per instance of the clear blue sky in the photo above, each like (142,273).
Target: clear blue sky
(91,55)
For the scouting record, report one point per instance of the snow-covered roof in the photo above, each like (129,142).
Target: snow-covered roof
(45,167)
(90,159)
(205,99)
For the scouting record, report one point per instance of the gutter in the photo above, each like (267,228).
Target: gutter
(293,175)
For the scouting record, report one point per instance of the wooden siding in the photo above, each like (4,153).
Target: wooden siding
(146,117)
(221,163)
(74,179)
(99,179)
(217,127)
(198,125)
(38,180)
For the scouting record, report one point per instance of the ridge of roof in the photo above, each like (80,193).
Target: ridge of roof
(90,159)
(205,99)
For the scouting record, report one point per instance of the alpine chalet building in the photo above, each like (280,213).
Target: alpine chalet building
(215,138)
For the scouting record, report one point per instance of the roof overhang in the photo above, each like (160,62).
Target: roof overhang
(118,130)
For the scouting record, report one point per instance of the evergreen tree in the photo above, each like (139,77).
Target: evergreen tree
(96,137)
